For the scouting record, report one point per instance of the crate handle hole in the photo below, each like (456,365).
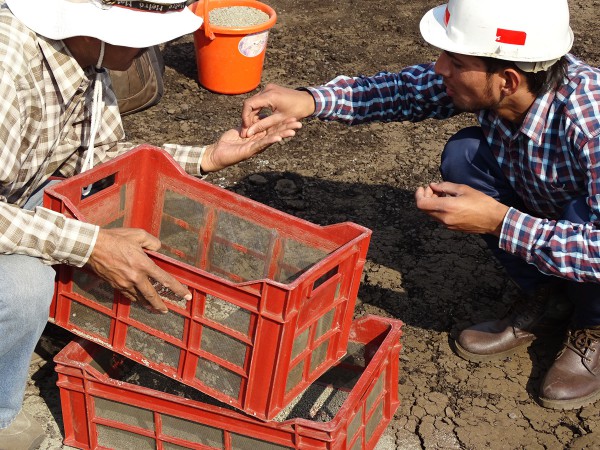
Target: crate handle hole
(98,186)
(326,276)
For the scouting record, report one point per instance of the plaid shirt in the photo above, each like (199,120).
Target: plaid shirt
(553,158)
(45,116)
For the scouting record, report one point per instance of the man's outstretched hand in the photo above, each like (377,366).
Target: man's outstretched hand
(232,148)
(281,102)
(119,258)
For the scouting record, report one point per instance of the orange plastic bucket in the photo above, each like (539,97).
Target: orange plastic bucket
(230,60)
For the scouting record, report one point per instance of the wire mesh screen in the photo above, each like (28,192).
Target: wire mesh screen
(298,257)
(223,346)
(376,392)
(325,323)
(193,432)
(89,319)
(120,439)
(354,426)
(122,413)
(318,356)
(152,347)
(171,446)
(239,249)
(374,422)
(358,444)
(93,288)
(240,442)
(219,378)
(294,376)
(172,323)
(181,228)
(227,314)
(300,343)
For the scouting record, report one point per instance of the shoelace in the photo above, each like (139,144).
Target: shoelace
(580,341)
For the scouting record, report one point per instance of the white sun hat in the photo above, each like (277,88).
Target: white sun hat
(514,30)
(127,23)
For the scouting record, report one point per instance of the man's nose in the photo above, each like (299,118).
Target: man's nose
(441,65)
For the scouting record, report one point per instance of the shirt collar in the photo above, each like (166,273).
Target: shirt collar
(534,124)
(66,72)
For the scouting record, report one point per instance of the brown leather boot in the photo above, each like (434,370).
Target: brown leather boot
(546,311)
(573,381)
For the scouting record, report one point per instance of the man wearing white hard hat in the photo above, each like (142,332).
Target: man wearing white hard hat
(59,117)
(527,178)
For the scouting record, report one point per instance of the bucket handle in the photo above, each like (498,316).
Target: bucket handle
(207,30)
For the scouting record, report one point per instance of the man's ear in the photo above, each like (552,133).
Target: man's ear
(512,80)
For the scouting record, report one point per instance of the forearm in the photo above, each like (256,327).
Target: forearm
(416,93)
(559,248)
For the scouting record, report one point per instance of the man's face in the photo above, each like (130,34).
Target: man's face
(467,82)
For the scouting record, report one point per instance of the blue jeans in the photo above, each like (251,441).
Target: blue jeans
(26,290)
(468,159)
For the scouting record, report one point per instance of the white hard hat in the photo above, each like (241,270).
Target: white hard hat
(513,30)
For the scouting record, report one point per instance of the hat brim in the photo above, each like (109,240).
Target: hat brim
(59,19)
(433,29)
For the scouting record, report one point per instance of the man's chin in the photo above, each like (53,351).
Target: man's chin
(123,67)
(127,64)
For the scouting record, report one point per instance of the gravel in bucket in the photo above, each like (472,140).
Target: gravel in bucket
(237,17)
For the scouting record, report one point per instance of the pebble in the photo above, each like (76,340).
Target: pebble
(258,180)
(286,187)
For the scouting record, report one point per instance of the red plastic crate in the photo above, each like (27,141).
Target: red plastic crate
(273,295)
(101,411)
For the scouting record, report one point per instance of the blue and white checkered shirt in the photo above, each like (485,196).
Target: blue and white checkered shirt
(553,158)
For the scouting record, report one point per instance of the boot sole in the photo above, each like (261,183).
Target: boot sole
(575,403)
(476,357)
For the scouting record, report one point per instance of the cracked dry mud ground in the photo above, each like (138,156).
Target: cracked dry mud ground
(434,280)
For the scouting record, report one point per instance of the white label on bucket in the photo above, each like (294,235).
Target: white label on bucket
(253,44)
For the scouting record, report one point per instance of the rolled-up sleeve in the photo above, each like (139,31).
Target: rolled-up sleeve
(46,234)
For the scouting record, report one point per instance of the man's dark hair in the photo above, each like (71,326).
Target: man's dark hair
(538,83)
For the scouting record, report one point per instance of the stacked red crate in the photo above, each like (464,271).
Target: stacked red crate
(273,295)
(358,397)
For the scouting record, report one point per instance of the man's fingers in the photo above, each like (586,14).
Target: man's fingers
(166,290)
(447,188)
(149,294)
(139,299)
(249,113)
(263,124)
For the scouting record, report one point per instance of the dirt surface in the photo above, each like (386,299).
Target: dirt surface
(434,280)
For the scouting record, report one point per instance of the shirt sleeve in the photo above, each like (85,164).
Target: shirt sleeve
(413,94)
(560,247)
(45,234)
(42,233)
(187,156)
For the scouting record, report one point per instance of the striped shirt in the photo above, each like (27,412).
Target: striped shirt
(551,159)
(45,116)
